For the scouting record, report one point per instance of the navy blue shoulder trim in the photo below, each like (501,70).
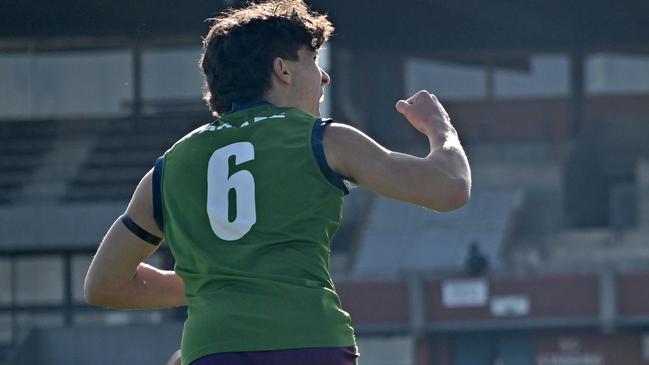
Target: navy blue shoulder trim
(318,150)
(157,192)
(238,106)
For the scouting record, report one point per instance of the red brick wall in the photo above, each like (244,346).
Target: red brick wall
(549,296)
(633,293)
(374,302)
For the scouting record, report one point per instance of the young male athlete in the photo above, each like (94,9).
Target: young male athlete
(249,203)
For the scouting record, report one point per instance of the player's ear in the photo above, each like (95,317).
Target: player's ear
(281,70)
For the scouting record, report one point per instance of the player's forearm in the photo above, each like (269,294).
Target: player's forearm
(149,288)
(156,288)
(440,181)
(453,173)
(447,152)
(449,168)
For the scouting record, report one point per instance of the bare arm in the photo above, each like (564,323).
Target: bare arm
(440,181)
(118,278)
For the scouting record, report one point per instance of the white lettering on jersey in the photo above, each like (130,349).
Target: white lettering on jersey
(212,128)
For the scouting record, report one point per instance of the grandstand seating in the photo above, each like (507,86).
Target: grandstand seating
(399,238)
(22,145)
(122,153)
(82,160)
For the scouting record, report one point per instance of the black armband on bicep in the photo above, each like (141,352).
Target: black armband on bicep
(139,231)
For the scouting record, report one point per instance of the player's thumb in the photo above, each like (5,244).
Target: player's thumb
(402,106)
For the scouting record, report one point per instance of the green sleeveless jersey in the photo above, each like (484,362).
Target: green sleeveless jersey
(249,209)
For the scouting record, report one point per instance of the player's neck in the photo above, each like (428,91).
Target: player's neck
(279,99)
(284,98)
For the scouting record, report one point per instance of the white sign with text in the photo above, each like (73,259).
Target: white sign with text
(510,305)
(465,293)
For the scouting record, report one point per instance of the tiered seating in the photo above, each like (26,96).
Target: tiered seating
(22,146)
(89,160)
(124,150)
(400,238)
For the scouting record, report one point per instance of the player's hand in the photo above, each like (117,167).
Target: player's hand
(426,114)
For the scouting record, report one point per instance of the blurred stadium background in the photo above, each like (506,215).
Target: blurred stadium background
(551,100)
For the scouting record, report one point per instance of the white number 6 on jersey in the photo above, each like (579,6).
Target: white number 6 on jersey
(218,188)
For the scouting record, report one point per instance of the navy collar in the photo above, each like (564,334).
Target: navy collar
(238,106)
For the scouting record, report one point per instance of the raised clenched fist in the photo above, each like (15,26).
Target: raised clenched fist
(425,113)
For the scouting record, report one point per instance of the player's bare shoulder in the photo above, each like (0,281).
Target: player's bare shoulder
(337,141)
(346,147)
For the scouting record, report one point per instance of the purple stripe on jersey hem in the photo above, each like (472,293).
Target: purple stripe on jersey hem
(308,356)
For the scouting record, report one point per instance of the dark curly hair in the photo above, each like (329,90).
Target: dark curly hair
(239,50)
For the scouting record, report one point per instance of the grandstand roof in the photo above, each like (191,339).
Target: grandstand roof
(409,26)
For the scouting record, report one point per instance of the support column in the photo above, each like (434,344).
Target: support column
(385,85)
(417,318)
(607,301)
(576,93)
(365,88)
(416,306)
(642,186)
(136,80)
(346,101)
(68,296)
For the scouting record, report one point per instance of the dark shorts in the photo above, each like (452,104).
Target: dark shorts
(310,356)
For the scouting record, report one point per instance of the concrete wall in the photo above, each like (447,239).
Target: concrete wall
(46,226)
(142,345)
(642,178)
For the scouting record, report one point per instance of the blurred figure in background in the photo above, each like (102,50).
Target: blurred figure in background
(476,263)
